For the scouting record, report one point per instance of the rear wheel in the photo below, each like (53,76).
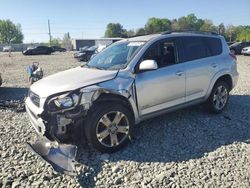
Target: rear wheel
(108,127)
(219,97)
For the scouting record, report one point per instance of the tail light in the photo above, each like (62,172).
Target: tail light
(233,56)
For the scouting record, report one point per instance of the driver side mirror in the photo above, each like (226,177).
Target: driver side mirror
(148,65)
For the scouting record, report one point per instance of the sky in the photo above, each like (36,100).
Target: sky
(88,18)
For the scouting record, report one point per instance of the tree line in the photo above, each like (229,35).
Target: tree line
(189,22)
(12,33)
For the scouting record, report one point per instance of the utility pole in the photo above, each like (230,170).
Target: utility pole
(49,33)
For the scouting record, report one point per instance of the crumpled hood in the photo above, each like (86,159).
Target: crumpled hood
(70,80)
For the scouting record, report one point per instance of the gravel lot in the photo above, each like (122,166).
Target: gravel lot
(187,148)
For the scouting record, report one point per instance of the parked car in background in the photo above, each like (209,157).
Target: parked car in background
(237,47)
(230,43)
(80,50)
(1,81)
(130,81)
(86,54)
(30,47)
(58,49)
(245,51)
(39,50)
(8,48)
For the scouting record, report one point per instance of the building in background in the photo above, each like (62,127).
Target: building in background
(101,42)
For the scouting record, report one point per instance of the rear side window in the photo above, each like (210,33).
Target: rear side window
(200,47)
(214,45)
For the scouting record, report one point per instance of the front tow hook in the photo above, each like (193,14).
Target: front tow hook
(60,156)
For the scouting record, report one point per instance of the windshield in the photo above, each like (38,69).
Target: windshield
(92,48)
(236,43)
(116,56)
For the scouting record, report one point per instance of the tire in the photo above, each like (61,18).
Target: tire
(218,98)
(100,127)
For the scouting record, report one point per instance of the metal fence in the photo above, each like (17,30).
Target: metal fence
(18,47)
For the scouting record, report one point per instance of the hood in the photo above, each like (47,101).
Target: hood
(70,80)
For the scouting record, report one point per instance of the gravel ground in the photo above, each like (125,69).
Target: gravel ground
(187,148)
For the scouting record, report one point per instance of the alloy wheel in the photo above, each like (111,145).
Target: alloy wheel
(220,97)
(112,129)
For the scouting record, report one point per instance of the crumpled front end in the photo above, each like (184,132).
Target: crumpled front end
(54,133)
(60,118)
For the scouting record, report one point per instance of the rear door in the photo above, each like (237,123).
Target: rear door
(165,87)
(202,62)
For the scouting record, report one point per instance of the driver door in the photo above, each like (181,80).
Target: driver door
(164,87)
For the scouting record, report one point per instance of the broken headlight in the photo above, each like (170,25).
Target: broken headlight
(65,101)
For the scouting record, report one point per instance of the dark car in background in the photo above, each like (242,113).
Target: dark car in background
(86,53)
(39,50)
(230,43)
(237,47)
(1,81)
(58,49)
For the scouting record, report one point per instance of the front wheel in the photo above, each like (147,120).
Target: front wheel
(108,127)
(219,97)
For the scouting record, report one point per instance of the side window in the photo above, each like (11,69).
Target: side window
(163,52)
(214,45)
(194,48)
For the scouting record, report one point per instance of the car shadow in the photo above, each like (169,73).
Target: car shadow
(183,135)
(13,93)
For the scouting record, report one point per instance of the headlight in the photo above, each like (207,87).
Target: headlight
(64,101)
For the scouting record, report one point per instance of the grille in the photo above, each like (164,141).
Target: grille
(34,98)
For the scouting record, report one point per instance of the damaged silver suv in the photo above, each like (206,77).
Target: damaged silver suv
(128,82)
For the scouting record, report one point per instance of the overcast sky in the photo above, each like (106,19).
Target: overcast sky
(89,18)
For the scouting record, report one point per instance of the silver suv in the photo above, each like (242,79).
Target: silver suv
(130,81)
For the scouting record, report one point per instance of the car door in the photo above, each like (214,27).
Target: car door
(164,87)
(201,64)
(38,50)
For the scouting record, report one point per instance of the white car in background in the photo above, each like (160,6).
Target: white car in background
(7,48)
(246,51)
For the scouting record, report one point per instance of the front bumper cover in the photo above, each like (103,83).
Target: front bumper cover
(60,156)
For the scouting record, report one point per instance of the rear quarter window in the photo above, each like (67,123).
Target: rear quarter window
(214,45)
(200,47)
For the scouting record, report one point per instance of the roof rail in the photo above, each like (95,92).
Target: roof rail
(190,31)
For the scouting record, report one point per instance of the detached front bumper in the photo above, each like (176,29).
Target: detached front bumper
(60,156)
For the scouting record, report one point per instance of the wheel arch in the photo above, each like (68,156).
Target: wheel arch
(227,79)
(221,76)
(116,98)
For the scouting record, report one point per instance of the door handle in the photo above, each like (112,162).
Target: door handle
(214,65)
(179,73)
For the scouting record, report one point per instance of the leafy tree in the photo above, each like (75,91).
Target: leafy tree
(188,22)
(230,33)
(10,33)
(243,33)
(115,30)
(140,31)
(56,42)
(156,25)
(208,26)
(130,33)
(222,29)
(66,42)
